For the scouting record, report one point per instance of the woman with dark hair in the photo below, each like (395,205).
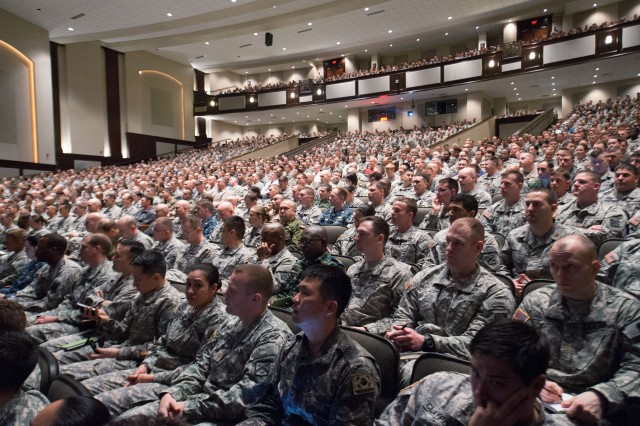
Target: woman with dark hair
(194,323)
(257,217)
(73,411)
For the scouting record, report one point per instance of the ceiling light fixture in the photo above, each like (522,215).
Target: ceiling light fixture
(477,27)
(284,48)
(446,34)
(207,43)
(71,29)
(309,23)
(337,42)
(169,14)
(450,18)
(417,39)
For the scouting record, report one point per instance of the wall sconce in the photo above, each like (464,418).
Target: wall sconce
(608,39)
(532,56)
(212,103)
(252,99)
(492,63)
(292,95)
(319,91)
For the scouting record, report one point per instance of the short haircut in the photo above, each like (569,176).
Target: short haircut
(412,206)
(342,193)
(12,316)
(366,209)
(236,224)
(450,183)
(102,241)
(262,212)
(17,233)
(81,410)
(152,262)
(207,205)
(18,357)
(194,221)
(352,178)
(33,240)
(593,176)
(308,191)
(251,196)
(424,176)
(468,201)
(164,221)
(516,343)
(259,280)
(622,166)
(380,226)
(210,272)
(551,196)
(516,175)
(596,153)
(473,224)
(335,284)
(327,187)
(561,172)
(56,242)
(136,248)
(106,225)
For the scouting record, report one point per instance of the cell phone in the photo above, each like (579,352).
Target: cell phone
(82,307)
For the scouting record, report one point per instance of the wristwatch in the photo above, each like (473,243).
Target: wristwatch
(429,344)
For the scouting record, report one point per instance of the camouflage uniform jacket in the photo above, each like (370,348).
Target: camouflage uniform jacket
(345,245)
(177,228)
(128,211)
(22,407)
(525,254)
(503,219)
(309,216)
(383,211)
(606,181)
(291,287)
(445,398)
(452,311)
(377,290)
(439,221)
(424,200)
(490,184)
(412,246)
(185,334)
(144,239)
(630,203)
(191,255)
(223,380)
(483,197)
(337,385)
(146,320)
(619,269)
(227,260)
(331,217)
(565,199)
(489,258)
(403,191)
(280,266)
(252,237)
(292,234)
(169,250)
(610,217)
(120,291)
(49,287)
(86,284)
(596,349)
(112,212)
(11,265)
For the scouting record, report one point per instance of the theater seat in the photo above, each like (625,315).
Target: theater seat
(65,386)
(422,212)
(533,285)
(432,362)
(608,246)
(333,232)
(507,281)
(345,260)
(49,370)
(285,316)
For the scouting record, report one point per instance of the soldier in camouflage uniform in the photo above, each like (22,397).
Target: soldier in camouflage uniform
(507,214)
(182,210)
(197,318)
(128,230)
(593,333)
(525,255)
(146,321)
(65,319)
(438,216)
(292,226)
(197,250)
(405,188)
(619,269)
(345,245)
(205,211)
(490,180)
(166,243)
(275,256)
(560,184)
(12,263)
(54,281)
(224,378)
(625,193)
(503,348)
(338,213)
(377,194)
(421,193)
(378,281)
(306,212)
(314,250)
(446,306)
(322,376)
(234,252)
(467,178)
(598,220)
(406,243)
(464,205)
(18,358)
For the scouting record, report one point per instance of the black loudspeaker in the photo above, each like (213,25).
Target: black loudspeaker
(268,39)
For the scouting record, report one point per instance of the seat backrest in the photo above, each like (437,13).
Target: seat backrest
(345,260)
(496,198)
(507,281)
(333,232)
(388,359)
(49,370)
(285,316)
(608,246)
(64,386)
(499,239)
(431,362)
(363,198)
(419,217)
(533,285)
(297,254)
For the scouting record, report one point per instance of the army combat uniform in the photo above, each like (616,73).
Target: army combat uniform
(227,260)
(412,246)
(169,250)
(280,266)
(489,257)
(610,217)
(619,269)
(503,219)
(22,407)
(377,290)
(337,385)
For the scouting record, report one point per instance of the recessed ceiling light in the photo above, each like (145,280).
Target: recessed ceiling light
(233,1)
(235,121)
(337,42)
(284,48)
(366,50)
(519,99)
(595,76)
(269,69)
(366,9)
(553,84)
(509,20)
(450,18)
(292,67)
(417,39)
(342,55)
(597,69)
(401,99)
(554,89)
(309,23)
(477,27)
(544,11)
(391,45)
(553,77)
(390,31)
(207,43)
(169,14)
(512,82)
(466,90)
(593,82)
(274,6)
(595,4)
(515,88)
(517,94)
(246,72)
(446,34)
(71,29)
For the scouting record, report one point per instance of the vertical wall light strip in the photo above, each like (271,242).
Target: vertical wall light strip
(32,97)
(181,93)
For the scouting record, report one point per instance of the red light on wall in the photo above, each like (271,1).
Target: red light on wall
(534,22)
(333,62)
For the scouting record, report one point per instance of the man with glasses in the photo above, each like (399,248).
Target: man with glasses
(438,217)
(421,192)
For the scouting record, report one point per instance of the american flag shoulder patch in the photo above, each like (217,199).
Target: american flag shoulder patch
(521,315)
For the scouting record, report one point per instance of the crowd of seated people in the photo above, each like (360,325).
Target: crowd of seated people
(384,69)
(116,272)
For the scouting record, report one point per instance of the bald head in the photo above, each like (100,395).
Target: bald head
(574,265)
(225,210)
